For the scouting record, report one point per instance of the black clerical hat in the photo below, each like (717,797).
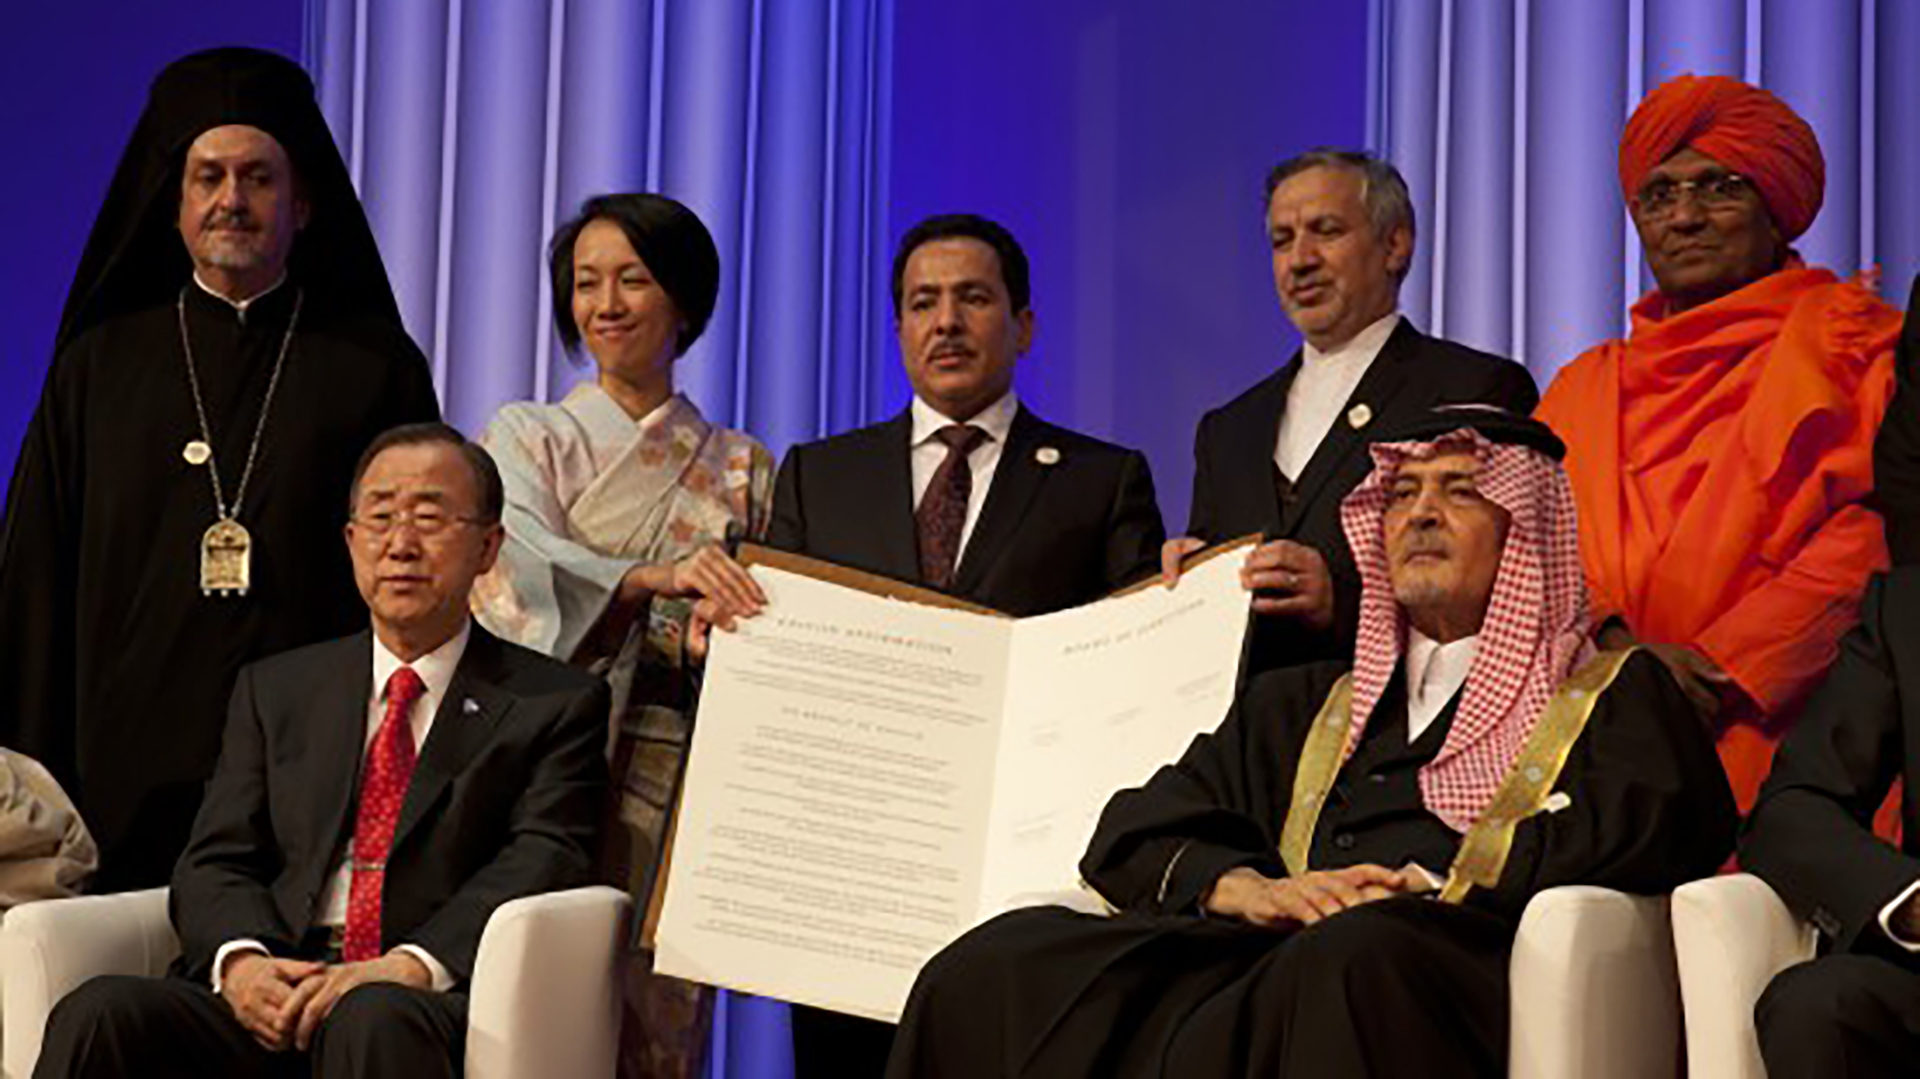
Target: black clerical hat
(134,256)
(1494,423)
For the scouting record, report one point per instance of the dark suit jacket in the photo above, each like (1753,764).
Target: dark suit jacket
(1237,489)
(1050,536)
(1810,835)
(506,800)
(1896,449)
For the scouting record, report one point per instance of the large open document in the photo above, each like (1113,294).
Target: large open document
(870,777)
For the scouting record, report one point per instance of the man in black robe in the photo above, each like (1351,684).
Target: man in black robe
(229,346)
(1276,887)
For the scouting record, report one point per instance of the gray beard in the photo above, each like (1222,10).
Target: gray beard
(1420,594)
(229,259)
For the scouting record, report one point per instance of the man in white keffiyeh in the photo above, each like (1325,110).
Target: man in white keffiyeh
(1329,883)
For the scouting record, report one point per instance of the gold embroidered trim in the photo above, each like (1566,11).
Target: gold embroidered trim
(1483,852)
(1320,760)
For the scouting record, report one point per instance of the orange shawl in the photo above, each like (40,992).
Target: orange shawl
(1720,460)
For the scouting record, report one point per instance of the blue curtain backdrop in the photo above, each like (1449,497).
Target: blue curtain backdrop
(1505,116)
(472,128)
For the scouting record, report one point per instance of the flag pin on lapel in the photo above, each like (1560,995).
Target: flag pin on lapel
(1359,416)
(1047,455)
(470,707)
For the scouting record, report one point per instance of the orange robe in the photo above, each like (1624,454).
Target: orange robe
(1721,459)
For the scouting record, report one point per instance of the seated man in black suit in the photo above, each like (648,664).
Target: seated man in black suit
(1855,1010)
(330,903)
(965,491)
(1278,459)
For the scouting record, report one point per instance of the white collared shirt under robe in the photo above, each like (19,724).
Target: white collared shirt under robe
(1318,397)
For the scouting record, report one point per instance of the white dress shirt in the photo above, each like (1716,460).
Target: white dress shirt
(1320,391)
(1434,673)
(928,452)
(436,673)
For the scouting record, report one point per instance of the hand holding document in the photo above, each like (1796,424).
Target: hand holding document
(872,776)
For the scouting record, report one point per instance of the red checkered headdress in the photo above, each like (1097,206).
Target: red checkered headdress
(1536,628)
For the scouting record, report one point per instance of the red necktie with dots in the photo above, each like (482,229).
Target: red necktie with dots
(942,515)
(382,788)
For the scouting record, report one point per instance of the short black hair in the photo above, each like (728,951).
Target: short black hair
(668,237)
(1013,260)
(486,475)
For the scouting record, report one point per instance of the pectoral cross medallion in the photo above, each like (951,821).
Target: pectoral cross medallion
(226,559)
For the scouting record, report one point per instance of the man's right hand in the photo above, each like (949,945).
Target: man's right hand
(1245,894)
(1172,553)
(256,987)
(1700,678)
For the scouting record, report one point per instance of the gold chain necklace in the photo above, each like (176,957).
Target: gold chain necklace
(226,549)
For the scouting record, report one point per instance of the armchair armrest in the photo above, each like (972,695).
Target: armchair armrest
(1594,990)
(47,949)
(1731,935)
(545,998)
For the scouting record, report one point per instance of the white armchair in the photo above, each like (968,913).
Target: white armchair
(545,995)
(1593,989)
(1731,935)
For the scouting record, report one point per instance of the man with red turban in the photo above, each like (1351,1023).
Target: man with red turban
(1721,455)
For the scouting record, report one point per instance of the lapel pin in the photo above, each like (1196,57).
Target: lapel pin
(1047,455)
(1359,416)
(470,707)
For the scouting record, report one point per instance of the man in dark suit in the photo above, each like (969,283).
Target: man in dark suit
(966,491)
(1856,1009)
(376,798)
(1278,459)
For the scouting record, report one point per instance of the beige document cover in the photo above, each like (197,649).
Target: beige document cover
(872,775)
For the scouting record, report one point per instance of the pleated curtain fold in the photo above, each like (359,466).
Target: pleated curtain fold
(473,127)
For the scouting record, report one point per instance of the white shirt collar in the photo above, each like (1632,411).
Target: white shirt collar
(239,306)
(435,668)
(996,419)
(1360,349)
(1434,673)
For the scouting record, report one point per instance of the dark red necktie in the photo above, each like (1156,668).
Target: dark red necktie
(942,515)
(382,789)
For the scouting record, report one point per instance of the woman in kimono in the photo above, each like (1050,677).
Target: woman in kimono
(621,501)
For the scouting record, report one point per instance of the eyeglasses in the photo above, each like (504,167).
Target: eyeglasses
(1661,198)
(426,521)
